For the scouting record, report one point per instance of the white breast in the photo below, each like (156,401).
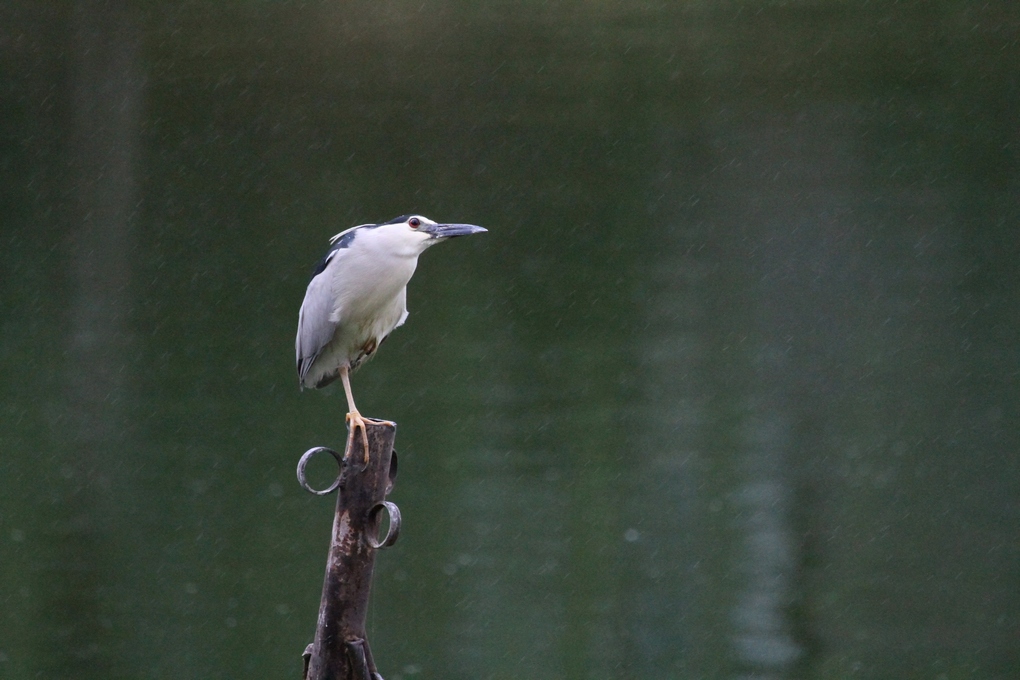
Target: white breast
(369,285)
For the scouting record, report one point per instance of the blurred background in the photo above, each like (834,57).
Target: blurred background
(729,389)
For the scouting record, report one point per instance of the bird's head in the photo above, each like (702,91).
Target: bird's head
(407,235)
(421,232)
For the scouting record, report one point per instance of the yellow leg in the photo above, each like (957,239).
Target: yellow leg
(353,417)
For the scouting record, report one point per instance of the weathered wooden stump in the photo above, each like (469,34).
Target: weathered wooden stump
(340,650)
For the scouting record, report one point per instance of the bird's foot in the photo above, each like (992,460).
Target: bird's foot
(356,422)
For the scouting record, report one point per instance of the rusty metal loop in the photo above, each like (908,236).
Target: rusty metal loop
(303,463)
(394,529)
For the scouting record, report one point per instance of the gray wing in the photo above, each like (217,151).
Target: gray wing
(315,329)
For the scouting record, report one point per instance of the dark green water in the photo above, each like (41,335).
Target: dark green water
(729,389)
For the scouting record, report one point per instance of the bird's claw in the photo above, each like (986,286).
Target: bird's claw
(355,422)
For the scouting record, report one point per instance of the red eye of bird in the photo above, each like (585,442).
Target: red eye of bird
(414,222)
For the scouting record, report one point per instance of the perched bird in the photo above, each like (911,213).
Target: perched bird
(357,296)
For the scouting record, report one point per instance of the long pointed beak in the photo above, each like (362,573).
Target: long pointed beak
(451,230)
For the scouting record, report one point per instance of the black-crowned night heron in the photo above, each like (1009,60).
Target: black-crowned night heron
(358,295)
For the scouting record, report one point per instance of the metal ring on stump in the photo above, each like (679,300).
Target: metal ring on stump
(394,529)
(303,463)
